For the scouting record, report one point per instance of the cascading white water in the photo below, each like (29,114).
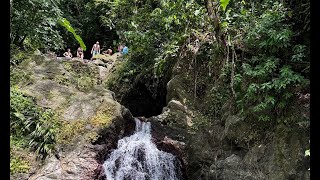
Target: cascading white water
(137,158)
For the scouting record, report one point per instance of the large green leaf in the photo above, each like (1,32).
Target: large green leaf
(307,152)
(65,23)
(224,4)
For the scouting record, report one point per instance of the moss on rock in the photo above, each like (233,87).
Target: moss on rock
(102,118)
(84,83)
(104,57)
(70,130)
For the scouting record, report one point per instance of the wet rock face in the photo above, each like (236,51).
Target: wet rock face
(84,160)
(176,148)
(170,140)
(108,141)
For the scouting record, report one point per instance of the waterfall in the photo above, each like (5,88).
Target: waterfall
(137,158)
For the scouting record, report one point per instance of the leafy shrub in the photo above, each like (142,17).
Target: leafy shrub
(34,22)
(28,121)
(124,70)
(17,56)
(266,81)
(23,112)
(43,136)
(19,77)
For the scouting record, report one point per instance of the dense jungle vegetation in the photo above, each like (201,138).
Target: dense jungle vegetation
(255,53)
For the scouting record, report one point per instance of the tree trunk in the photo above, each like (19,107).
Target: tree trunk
(212,9)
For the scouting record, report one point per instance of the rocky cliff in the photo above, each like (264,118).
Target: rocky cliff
(92,120)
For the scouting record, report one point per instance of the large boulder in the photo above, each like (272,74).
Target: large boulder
(92,120)
(82,159)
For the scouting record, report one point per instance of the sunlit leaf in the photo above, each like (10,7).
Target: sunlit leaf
(65,23)
(224,4)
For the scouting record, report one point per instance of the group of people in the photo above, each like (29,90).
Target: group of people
(68,54)
(123,49)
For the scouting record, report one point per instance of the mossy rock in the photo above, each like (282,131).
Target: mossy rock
(38,59)
(19,160)
(288,158)
(87,128)
(176,90)
(64,80)
(105,58)
(22,161)
(85,83)
(92,136)
(20,77)
(240,131)
(70,130)
(103,117)
(76,67)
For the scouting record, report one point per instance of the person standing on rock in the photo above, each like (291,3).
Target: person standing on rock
(95,49)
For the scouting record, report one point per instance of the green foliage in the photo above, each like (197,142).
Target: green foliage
(300,53)
(22,113)
(28,121)
(125,72)
(200,122)
(84,16)
(214,100)
(34,22)
(154,30)
(18,165)
(20,77)
(43,136)
(18,142)
(17,56)
(270,32)
(65,23)
(266,82)
(224,4)
(19,161)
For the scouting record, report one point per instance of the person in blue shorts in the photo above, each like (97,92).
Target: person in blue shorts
(95,49)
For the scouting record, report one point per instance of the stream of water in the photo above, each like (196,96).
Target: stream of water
(137,158)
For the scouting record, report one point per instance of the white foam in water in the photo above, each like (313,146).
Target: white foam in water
(137,158)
